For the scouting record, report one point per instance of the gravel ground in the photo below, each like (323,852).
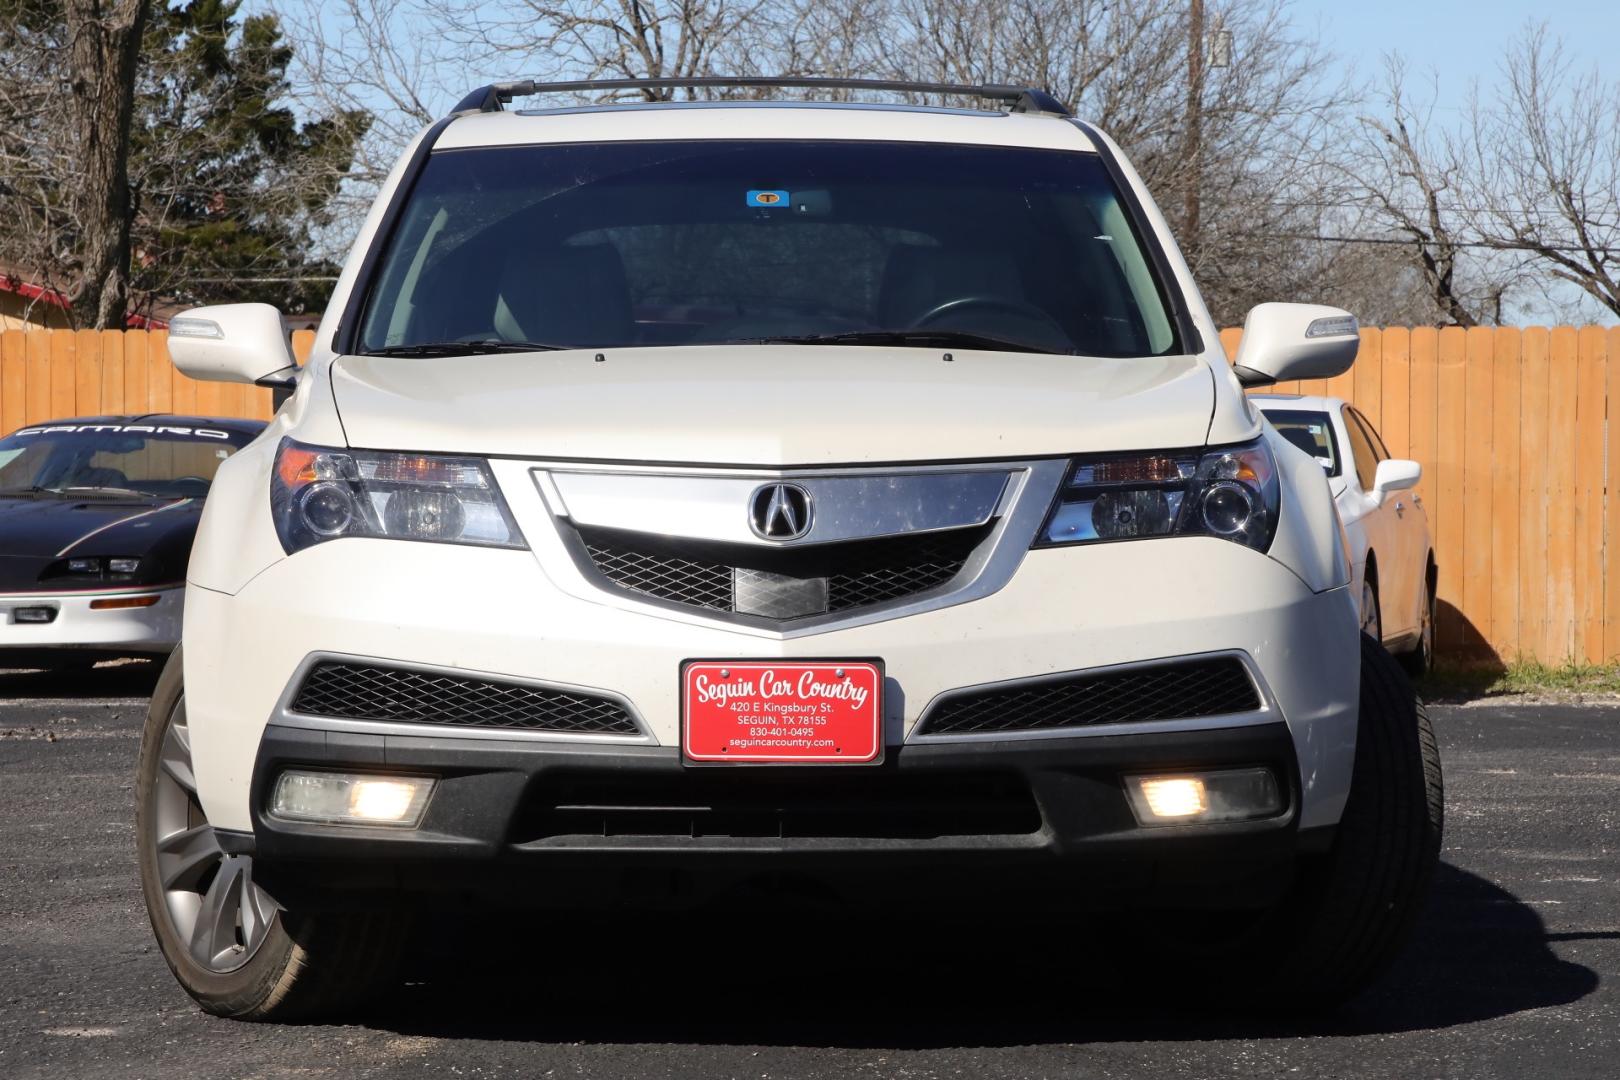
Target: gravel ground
(1512,974)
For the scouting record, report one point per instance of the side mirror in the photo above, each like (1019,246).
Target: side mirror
(1396,474)
(244,343)
(1295,341)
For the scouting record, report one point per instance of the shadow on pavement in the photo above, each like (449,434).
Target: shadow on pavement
(110,678)
(1478,954)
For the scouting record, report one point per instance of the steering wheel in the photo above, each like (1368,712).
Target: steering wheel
(950,307)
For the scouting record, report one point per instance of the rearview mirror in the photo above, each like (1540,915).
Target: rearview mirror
(1396,474)
(1295,341)
(244,343)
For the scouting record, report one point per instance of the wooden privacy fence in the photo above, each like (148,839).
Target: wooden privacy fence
(49,374)
(1513,430)
(1511,427)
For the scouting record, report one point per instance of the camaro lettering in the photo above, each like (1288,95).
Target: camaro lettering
(144,429)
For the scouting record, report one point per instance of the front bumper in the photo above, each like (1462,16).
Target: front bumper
(76,624)
(573,825)
(499,613)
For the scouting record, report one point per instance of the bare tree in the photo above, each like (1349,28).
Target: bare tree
(35,145)
(202,184)
(1271,121)
(609,38)
(1545,168)
(370,56)
(1409,181)
(104,42)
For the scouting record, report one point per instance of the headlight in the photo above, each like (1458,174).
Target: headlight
(1231,493)
(321,494)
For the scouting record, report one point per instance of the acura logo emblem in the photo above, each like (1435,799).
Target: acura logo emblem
(780,512)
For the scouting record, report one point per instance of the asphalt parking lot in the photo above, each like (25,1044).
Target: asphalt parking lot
(1513,973)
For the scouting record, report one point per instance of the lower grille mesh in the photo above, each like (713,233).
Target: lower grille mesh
(368,692)
(1182,691)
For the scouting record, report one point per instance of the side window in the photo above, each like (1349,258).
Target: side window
(1361,448)
(1372,433)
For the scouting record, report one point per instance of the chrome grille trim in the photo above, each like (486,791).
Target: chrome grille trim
(848,505)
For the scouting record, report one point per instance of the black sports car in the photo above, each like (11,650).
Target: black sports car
(97,517)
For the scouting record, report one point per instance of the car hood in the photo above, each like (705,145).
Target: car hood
(50,527)
(772,405)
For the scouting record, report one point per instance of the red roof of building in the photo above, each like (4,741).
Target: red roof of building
(11,283)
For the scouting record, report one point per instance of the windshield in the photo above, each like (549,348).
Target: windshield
(615,244)
(1309,430)
(115,459)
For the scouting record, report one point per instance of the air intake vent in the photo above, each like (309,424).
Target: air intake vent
(835,803)
(1178,691)
(401,695)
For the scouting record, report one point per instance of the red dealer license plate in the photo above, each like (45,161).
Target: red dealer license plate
(813,713)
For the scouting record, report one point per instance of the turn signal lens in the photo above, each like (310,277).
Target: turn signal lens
(349,799)
(1202,798)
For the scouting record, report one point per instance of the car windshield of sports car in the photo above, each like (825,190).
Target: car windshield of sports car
(114,460)
(510,249)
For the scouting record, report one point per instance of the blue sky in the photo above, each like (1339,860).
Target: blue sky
(1450,45)
(1456,40)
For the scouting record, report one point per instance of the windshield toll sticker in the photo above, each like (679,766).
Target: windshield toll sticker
(770,198)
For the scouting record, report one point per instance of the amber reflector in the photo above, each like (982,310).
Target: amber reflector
(123,602)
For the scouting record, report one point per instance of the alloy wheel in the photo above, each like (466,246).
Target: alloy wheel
(209,896)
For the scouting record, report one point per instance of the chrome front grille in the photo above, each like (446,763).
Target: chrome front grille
(873,542)
(780,583)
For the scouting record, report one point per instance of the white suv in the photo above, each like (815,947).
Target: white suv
(683,496)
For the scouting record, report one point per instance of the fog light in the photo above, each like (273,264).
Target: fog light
(1174,796)
(33,614)
(348,799)
(1199,798)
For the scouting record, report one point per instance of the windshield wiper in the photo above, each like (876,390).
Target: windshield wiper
(480,347)
(98,489)
(32,491)
(960,339)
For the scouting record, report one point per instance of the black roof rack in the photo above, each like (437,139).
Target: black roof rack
(1024,99)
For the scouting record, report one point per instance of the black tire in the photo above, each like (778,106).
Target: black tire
(1419,660)
(300,966)
(1351,914)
